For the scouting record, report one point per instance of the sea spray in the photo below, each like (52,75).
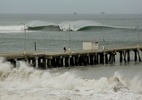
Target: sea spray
(132,82)
(5,68)
(26,82)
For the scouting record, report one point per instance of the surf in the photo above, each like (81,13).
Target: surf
(69,79)
(28,82)
(79,25)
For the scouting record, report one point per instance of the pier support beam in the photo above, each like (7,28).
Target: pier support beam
(124,54)
(41,63)
(106,59)
(121,56)
(33,63)
(112,57)
(76,60)
(135,55)
(139,56)
(101,58)
(128,55)
(61,61)
(91,60)
(72,61)
(96,59)
(67,61)
(49,64)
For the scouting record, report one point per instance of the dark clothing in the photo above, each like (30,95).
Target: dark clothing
(64,49)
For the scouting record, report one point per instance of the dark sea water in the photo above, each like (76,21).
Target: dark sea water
(53,32)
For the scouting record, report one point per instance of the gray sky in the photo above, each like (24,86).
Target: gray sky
(70,6)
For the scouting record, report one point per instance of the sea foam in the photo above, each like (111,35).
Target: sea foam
(25,83)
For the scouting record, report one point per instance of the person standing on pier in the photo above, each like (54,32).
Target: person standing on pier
(64,49)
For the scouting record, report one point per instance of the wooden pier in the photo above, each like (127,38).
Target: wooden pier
(80,58)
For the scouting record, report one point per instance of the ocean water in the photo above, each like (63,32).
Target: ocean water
(53,32)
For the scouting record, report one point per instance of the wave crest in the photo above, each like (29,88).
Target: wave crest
(80,25)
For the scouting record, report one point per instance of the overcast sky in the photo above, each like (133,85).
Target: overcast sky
(70,6)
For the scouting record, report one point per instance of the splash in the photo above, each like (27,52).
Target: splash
(28,83)
(132,82)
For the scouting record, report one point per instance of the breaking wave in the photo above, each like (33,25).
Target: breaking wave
(28,82)
(81,25)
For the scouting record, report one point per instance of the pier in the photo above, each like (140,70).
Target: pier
(78,58)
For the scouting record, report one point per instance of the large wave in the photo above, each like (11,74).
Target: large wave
(27,82)
(80,25)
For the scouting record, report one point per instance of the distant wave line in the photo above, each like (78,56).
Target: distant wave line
(80,25)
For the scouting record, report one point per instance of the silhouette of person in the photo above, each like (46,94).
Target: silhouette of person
(64,49)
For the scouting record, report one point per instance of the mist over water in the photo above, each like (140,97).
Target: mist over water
(51,33)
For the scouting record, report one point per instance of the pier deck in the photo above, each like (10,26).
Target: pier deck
(75,58)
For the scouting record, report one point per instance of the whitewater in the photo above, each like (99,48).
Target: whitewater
(27,83)
(79,25)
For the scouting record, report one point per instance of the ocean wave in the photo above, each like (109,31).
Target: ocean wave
(80,25)
(11,28)
(28,82)
(67,80)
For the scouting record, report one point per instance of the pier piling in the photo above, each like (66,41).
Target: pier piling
(80,58)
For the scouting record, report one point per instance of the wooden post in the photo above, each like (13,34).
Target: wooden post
(87,59)
(139,56)
(33,62)
(80,62)
(41,63)
(36,59)
(124,54)
(96,59)
(135,55)
(61,61)
(67,61)
(91,60)
(101,58)
(84,60)
(35,45)
(121,57)
(53,62)
(106,58)
(76,60)
(72,62)
(57,62)
(114,53)
(49,63)
(128,56)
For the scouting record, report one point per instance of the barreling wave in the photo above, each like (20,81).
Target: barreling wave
(48,28)
(39,25)
(80,25)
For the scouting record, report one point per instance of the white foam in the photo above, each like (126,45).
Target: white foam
(11,28)
(76,25)
(27,83)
